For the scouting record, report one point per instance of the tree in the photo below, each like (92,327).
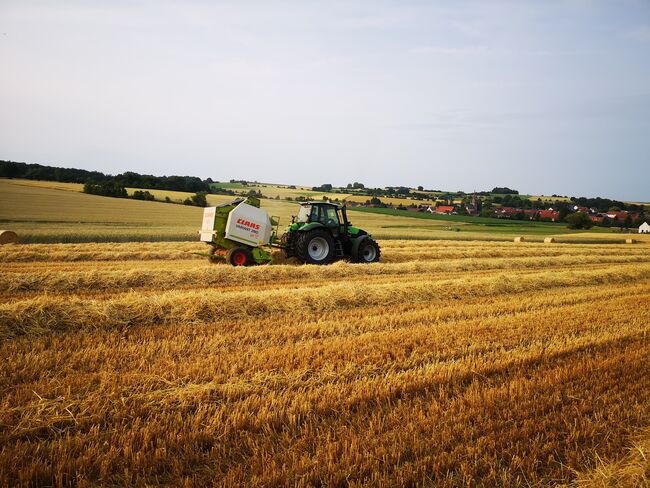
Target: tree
(628,221)
(639,221)
(504,190)
(374,201)
(325,187)
(579,220)
(420,188)
(564,211)
(142,195)
(106,189)
(199,199)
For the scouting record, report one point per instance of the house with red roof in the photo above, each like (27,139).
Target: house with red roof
(531,213)
(552,215)
(622,215)
(506,212)
(444,209)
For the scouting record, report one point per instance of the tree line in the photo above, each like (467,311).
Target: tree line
(98,183)
(192,184)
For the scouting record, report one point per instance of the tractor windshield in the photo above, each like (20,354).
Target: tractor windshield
(303,214)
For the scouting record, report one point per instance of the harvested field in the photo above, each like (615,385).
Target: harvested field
(450,363)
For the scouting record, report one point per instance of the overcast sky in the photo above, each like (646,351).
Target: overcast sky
(546,97)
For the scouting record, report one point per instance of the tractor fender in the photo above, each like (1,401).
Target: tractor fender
(311,226)
(356,244)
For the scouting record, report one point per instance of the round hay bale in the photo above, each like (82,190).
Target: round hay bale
(8,237)
(520,239)
(549,240)
(629,241)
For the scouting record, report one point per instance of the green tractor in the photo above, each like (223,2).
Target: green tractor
(322,233)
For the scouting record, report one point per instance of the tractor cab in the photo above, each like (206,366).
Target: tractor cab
(332,216)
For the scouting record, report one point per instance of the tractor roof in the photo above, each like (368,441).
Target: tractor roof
(322,203)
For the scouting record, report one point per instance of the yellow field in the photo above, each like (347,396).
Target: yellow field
(546,198)
(393,201)
(269,190)
(449,363)
(59,212)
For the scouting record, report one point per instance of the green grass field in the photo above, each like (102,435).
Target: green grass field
(464,223)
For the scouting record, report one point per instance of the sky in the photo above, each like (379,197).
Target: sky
(544,97)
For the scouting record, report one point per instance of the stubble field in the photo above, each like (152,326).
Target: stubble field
(449,363)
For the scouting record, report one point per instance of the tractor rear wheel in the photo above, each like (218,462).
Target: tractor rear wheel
(369,251)
(315,247)
(240,256)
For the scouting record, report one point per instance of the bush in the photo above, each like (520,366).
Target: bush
(142,195)
(199,199)
(579,220)
(106,189)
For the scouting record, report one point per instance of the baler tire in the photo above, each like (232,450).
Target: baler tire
(369,251)
(313,239)
(239,256)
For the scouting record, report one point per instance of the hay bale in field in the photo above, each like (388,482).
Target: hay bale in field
(549,240)
(8,237)
(629,241)
(520,239)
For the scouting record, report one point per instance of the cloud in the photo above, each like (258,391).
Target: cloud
(641,34)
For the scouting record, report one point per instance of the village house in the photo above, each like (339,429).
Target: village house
(444,209)
(552,215)
(579,208)
(621,216)
(506,212)
(531,213)
(644,228)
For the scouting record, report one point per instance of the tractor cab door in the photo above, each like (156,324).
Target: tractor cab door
(326,215)
(343,219)
(332,220)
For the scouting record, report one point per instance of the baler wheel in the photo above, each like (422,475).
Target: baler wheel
(240,256)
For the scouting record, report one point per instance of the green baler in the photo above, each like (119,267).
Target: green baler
(238,231)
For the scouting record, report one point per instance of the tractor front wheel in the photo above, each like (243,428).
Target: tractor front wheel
(240,256)
(315,247)
(369,251)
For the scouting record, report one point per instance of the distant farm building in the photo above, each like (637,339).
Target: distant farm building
(552,215)
(644,228)
(506,211)
(444,209)
(621,216)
